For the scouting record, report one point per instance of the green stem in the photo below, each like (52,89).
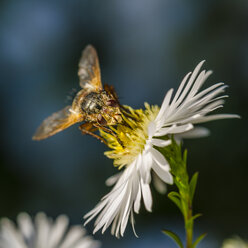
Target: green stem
(186,188)
(189,227)
(186,203)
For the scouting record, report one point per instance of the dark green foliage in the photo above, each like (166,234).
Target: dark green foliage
(192,185)
(174,237)
(198,240)
(176,198)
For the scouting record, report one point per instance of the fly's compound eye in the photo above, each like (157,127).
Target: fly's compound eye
(101,120)
(112,103)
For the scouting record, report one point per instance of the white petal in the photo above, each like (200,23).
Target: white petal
(197,132)
(181,86)
(43,228)
(215,117)
(161,143)
(151,129)
(163,131)
(126,212)
(206,96)
(132,185)
(175,107)
(113,179)
(86,243)
(25,224)
(189,106)
(210,92)
(132,222)
(165,105)
(159,158)
(181,129)
(159,185)
(115,208)
(147,196)
(10,236)
(57,231)
(137,200)
(145,165)
(199,82)
(190,82)
(110,212)
(74,234)
(163,173)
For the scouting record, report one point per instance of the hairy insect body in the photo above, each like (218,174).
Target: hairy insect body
(97,106)
(92,103)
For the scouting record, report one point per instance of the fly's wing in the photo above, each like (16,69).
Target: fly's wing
(57,122)
(89,70)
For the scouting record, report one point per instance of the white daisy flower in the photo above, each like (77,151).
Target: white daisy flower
(145,130)
(235,242)
(43,233)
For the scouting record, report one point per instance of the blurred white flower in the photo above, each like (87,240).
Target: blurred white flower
(235,242)
(43,233)
(133,147)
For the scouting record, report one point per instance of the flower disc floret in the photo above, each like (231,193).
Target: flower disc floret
(128,141)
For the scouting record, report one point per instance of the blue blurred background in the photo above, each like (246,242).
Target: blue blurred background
(145,47)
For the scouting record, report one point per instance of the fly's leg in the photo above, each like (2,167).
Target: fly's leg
(109,131)
(88,128)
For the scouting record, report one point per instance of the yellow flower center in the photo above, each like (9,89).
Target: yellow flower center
(127,140)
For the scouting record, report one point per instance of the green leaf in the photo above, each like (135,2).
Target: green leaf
(185,156)
(198,240)
(189,221)
(174,193)
(175,197)
(174,236)
(192,185)
(195,217)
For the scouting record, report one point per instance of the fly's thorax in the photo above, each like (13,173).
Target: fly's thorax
(99,107)
(92,103)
